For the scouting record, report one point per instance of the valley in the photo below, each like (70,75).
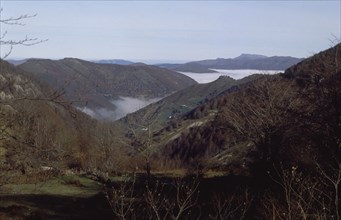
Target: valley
(95,88)
(227,131)
(170,110)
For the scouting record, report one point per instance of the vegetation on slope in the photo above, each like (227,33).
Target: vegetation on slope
(281,118)
(172,108)
(96,85)
(276,138)
(40,129)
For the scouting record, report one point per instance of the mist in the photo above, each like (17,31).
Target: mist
(99,113)
(235,74)
(124,106)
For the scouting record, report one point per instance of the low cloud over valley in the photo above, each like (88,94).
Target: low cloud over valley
(124,106)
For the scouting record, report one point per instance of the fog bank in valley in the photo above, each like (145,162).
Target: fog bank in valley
(235,74)
(124,106)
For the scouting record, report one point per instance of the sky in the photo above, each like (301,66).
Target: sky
(173,31)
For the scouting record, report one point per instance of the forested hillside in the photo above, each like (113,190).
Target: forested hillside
(292,117)
(171,108)
(39,128)
(96,86)
(273,139)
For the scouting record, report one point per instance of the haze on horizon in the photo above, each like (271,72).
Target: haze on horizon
(173,30)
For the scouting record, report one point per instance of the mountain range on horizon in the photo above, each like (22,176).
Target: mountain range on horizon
(243,61)
(114,61)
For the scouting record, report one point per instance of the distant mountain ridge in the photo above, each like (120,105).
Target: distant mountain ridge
(114,61)
(244,61)
(16,62)
(247,56)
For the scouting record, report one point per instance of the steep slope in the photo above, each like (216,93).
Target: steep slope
(175,106)
(244,61)
(323,64)
(96,86)
(24,105)
(291,118)
(38,128)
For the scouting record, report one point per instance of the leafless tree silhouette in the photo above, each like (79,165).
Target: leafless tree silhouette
(10,43)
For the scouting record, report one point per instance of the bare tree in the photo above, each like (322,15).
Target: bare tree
(142,140)
(122,199)
(303,196)
(333,179)
(264,116)
(158,204)
(10,43)
(173,205)
(232,205)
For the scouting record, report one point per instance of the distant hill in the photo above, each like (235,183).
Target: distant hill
(96,86)
(180,103)
(244,61)
(114,61)
(188,67)
(245,56)
(16,62)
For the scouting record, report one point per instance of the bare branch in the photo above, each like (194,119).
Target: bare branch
(26,41)
(16,20)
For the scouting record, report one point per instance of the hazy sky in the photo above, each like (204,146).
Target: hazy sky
(173,30)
